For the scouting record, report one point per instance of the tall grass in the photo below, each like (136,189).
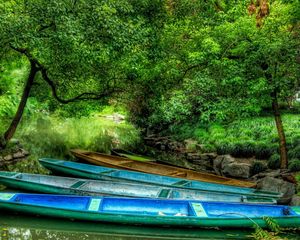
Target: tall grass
(48,136)
(252,137)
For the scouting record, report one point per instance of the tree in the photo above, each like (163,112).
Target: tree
(75,47)
(267,55)
(225,61)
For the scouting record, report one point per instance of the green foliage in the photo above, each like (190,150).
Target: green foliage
(274,161)
(294,153)
(261,234)
(257,167)
(11,77)
(30,165)
(48,136)
(294,165)
(243,138)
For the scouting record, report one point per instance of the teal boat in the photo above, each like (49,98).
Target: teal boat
(110,174)
(64,185)
(173,213)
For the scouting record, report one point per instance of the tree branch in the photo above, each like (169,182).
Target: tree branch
(28,55)
(82,96)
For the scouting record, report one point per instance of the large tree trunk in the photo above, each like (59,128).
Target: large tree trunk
(280,130)
(16,120)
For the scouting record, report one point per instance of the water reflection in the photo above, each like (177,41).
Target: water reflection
(18,227)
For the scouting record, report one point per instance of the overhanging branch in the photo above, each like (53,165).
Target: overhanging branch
(82,96)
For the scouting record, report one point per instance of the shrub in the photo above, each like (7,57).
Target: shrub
(294,165)
(274,161)
(294,153)
(257,167)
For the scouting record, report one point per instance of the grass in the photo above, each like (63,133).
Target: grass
(247,138)
(47,136)
(52,136)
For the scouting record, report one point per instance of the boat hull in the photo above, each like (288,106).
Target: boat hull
(132,211)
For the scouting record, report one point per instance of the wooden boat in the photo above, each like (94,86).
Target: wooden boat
(63,185)
(145,211)
(155,168)
(130,155)
(111,174)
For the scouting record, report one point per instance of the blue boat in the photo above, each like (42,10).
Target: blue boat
(77,186)
(111,174)
(183,213)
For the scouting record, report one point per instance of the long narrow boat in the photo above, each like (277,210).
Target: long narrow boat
(155,168)
(110,174)
(184,213)
(63,185)
(130,155)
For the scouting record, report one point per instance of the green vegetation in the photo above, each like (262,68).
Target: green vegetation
(251,137)
(209,73)
(53,137)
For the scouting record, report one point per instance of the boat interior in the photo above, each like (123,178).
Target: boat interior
(153,207)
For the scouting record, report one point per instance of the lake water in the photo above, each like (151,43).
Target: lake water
(20,227)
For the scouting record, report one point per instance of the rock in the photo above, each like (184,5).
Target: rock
(217,165)
(193,157)
(24,152)
(8,157)
(239,170)
(295,201)
(227,159)
(210,155)
(18,155)
(275,173)
(278,185)
(192,145)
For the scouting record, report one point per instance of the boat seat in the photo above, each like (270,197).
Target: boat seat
(178,173)
(108,172)
(78,184)
(125,163)
(164,193)
(18,176)
(181,183)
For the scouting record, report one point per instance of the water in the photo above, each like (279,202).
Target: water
(19,227)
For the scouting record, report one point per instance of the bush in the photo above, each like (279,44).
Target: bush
(257,167)
(294,165)
(294,153)
(274,161)
(243,150)
(264,151)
